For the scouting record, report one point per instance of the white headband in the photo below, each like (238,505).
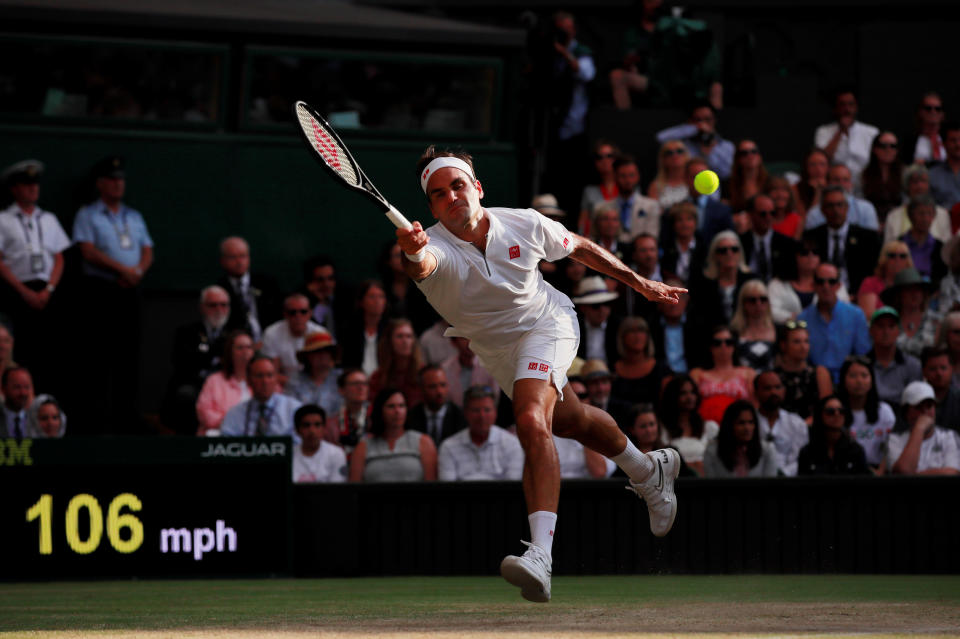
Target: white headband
(439,163)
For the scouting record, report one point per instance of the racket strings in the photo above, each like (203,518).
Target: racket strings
(327,147)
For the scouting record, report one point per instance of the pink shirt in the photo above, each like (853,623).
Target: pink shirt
(218,395)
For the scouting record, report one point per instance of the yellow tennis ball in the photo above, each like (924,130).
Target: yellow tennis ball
(706,182)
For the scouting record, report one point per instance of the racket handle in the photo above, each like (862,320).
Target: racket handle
(397,218)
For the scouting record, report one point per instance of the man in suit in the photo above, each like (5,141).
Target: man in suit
(679,343)
(768,254)
(255,298)
(17,387)
(436,416)
(637,213)
(197,349)
(598,326)
(851,248)
(330,304)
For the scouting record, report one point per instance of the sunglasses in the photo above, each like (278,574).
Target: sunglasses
(217,304)
(886,145)
(727,341)
(678,151)
(603,156)
(297,311)
(806,252)
(750,151)
(832,281)
(793,325)
(723,250)
(832,411)
(764,212)
(901,256)
(932,107)
(759,299)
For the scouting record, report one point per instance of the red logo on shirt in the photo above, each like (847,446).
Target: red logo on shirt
(532,366)
(514,252)
(544,367)
(566,241)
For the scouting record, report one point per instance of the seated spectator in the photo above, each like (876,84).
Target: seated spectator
(546,205)
(637,214)
(831,451)
(598,327)
(316,461)
(647,434)
(644,260)
(785,430)
(723,383)
(568,276)
(268,412)
(598,381)
(929,148)
(197,349)
(400,361)
(938,374)
(638,50)
(673,335)
(45,418)
(227,387)
(348,426)
(925,249)
(804,384)
(483,450)
(919,446)
(892,368)
(606,232)
(950,284)
(329,307)
(436,347)
(254,297)
(713,294)
(813,177)
(767,254)
(944,183)
(916,182)
(859,212)
(465,370)
(754,323)
(872,420)
(699,135)
(948,338)
(686,253)
(282,339)
(638,371)
(404,299)
(748,177)
(851,248)
(317,382)
(362,334)
(790,296)
(436,415)
(669,186)
(389,452)
(6,352)
(738,450)
(603,189)
(786,219)
(881,179)
(579,462)
(847,140)
(836,328)
(17,385)
(713,215)
(684,429)
(910,296)
(894,257)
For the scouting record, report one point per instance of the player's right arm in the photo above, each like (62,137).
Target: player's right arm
(414,242)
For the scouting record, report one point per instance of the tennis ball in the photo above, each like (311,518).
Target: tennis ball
(706,182)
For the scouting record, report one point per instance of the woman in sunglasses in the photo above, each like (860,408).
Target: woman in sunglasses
(881,179)
(754,322)
(724,382)
(670,185)
(804,384)
(738,451)
(894,257)
(831,451)
(871,420)
(604,187)
(713,293)
(748,176)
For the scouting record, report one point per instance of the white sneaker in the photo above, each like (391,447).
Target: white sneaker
(530,573)
(657,490)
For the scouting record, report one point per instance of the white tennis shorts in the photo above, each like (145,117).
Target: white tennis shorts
(545,352)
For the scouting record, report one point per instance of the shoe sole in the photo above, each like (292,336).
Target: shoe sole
(517,575)
(668,490)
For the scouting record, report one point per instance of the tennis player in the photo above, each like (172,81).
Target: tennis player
(478,268)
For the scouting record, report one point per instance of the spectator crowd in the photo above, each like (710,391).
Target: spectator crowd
(820,334)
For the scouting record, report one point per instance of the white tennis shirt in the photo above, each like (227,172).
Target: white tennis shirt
(495,297)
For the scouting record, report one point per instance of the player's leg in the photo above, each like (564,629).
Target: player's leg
(651,475)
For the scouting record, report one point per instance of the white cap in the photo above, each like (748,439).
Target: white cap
(916,393)
(593,290)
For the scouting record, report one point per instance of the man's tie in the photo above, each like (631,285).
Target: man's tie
(625,214)
(434,428)
(837,251)
(263,424)
(17,430)
(763,266)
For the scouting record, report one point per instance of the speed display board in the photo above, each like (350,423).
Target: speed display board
(118,507)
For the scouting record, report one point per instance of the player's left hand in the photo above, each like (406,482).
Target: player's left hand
(660,292)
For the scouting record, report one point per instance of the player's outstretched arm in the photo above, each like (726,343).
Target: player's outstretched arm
(594,256)
(413,244)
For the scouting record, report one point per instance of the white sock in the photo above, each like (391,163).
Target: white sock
(542,524)
(635,464)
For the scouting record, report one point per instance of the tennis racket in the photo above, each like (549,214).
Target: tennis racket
(333,154)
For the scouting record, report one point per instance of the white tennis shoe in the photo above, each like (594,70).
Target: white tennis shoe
(530,572)
(657,490)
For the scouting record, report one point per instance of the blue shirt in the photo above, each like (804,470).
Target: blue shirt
(846,333)
(242,419)
(96,224)
(944,185)
(673,345)
(720,157)
(859,212)
(327,396)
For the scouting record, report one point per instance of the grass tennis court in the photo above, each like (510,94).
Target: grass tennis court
(466,607)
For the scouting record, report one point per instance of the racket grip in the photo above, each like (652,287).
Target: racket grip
(397,218)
